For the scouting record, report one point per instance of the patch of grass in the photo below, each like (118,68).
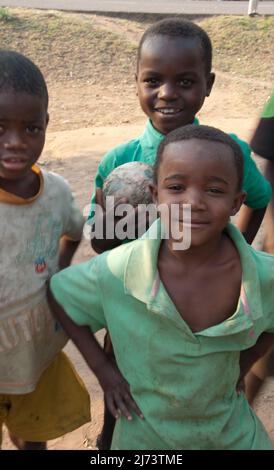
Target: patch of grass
(66,47)
(242,46)
(5,15)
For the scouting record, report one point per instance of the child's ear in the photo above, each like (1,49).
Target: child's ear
(238,201)
(136,86)
(154,192)
(209,83)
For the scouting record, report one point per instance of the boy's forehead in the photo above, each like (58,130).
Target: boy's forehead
(198,145)
(203,150)
(155,45)
(10,98)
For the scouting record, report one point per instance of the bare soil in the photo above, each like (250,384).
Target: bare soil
(88,61)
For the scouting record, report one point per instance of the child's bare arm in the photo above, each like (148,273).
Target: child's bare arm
(252,355)
(249,221)
(67,249)
(116,388)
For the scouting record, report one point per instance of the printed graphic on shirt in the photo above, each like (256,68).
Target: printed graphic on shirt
(23,327)
(40,264)
(43,242)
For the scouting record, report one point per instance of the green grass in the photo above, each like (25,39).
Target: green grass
(64,46)
(242,45)
(5,16)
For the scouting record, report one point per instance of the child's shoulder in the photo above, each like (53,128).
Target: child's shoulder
(242,143)
(126,146)
(55,181)
(253,261)
(122,153)
(115,261)
(265,264)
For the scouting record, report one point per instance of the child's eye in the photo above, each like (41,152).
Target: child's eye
(186,82)
(175,187)
(32,129)
(151,81)
(215,191)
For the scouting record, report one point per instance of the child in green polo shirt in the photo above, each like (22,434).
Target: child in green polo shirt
(178,318)
(173,78)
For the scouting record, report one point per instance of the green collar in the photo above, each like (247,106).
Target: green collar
(151,136)
(141,271)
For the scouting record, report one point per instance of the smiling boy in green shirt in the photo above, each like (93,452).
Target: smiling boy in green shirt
(173,78)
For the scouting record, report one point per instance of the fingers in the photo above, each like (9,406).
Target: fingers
(120,403)
(117,406)
(123,200)
(112,406)
(133,405)
(240,387)
(117,392)
(123,408)
(120,208)
(99,197)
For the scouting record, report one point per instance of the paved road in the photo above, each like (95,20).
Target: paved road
(144,6)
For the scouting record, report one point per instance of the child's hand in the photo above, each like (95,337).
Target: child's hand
(136,223)
(67,249)
(117,392)
(102,244)
(99,198)
(137,220)
(249,356)
(247,359)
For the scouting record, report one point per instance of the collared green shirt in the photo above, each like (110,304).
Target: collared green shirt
(184,382)
(144,149)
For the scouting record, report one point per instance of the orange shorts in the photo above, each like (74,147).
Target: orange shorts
(59,404)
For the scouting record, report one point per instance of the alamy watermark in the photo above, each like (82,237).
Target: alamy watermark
(124,221)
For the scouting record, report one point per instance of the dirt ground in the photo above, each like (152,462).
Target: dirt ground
(76,153)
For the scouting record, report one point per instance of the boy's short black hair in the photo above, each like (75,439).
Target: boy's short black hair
(179,28)
(20,74)
(194,131)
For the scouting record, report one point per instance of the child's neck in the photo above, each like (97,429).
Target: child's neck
(193,121)
(26,187)
(196,256)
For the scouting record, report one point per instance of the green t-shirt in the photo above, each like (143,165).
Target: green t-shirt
(184,382)
(144,149)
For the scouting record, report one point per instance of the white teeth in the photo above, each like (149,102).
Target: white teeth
(168,110)
(14,160)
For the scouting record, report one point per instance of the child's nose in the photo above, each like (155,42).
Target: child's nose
(14,140)
(195,198)
(168,91)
